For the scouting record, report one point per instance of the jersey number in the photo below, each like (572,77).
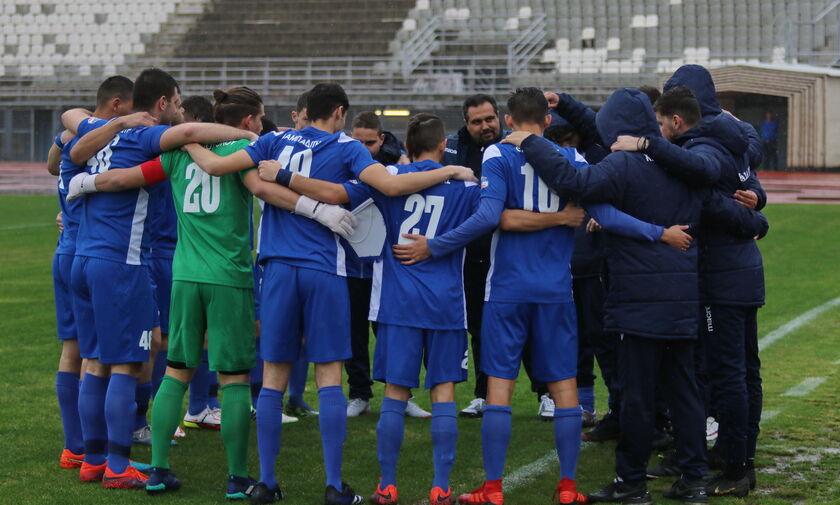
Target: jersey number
(211,191)
(146,340)
(548,201)
(418,205)
(299,162)
(101,161)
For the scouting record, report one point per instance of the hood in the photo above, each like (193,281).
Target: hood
(627,112)
(699,81)
(723,128)
(391,149)
(558,120)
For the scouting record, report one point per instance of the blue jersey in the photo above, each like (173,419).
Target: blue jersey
(533,266)
(70,212)
(162,221)
(113,225)
(311,152)
(430,294)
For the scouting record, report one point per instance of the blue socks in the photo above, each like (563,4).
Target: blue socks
(199,387)
(586,398)
(213,391)
(444,440)
(142,394)
(332,421)
(67,389)
(92,415)
(495,436)
(297,382)
(567,439)
(120,409)
(389,438)
(159,370)
(269,427)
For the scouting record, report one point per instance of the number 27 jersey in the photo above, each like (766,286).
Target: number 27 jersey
(526,267)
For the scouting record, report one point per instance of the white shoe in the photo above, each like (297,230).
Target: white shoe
(712,427)
(142,435)
(179,433)
(357,407)
(209,419)
(474,409)
(588,419)
(414,410)
(289,419)
(546,410)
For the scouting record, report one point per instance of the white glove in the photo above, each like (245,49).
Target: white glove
(81,184)
(337,219)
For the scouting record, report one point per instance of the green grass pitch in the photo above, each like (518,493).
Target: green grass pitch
(799,449)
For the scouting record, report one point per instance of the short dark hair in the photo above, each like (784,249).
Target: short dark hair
(424,134)
(152,84)
(652,93)
(267,126)
(476,100)
(301,102)
(199,108)
(528,105)
(369,120)
(235,104)
(323,99)
(679,101)
(116,86)
(560,134)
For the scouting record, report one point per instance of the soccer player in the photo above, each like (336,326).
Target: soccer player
(529,298)
(113,294)
(113,99)
(420,312)
(303,291)
(211,271)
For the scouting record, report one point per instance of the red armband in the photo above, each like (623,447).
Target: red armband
(153,172)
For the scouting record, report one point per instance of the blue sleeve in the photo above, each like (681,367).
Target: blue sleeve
(755,149)
(358,192)
(725,213)
(582,119)
(485,219)
(57,141)
(260,149)
(616,221)
(698,166)
(753,184)
(89,124)
(596,183)
(150,140)
(358,158)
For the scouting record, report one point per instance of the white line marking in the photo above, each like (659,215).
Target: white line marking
(767,415)
(837,362)
(805,387)
(25,226)
(794,324)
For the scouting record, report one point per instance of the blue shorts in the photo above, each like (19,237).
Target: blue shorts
(258,277)
(161,272)
(65,321)
(549,330)
(113,306)
(401,349)
(297,302)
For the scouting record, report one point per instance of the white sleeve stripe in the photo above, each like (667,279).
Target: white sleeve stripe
(491,152)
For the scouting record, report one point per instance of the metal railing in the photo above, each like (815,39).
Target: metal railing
(527,46)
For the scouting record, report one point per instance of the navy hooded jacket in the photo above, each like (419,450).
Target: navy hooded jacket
(653,288)
(731,267)
(390,150)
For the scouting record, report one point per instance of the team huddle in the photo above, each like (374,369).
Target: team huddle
(628,235)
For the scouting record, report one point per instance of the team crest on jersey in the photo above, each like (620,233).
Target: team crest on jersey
(484,182)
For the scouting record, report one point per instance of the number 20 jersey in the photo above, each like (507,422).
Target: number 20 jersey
(333,157)
(113,225)
(429,294)
(532,267)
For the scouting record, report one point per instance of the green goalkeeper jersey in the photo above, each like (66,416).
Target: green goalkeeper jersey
(214,221)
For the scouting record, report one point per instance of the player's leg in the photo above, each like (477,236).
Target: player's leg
(475,279)
(446,364)
(397,358)
(553,330)
(143,393)
(754,390)
(587,298)
(280,346)
(326,313)
(505,330)
(358,366)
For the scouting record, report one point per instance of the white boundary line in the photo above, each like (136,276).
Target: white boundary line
(805,387)
(25,226)
(795,323)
